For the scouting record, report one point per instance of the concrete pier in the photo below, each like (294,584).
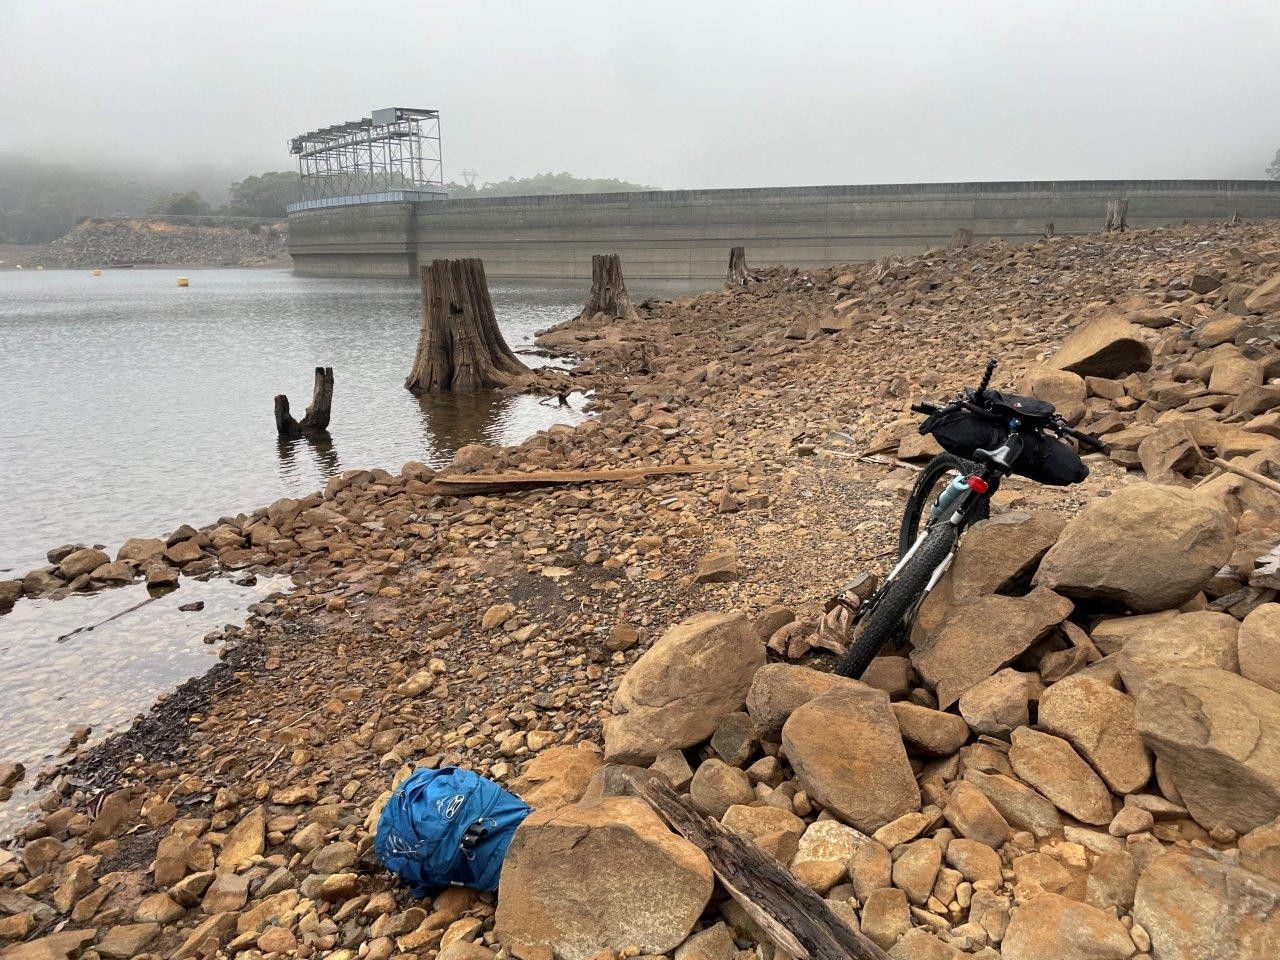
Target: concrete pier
(686,234)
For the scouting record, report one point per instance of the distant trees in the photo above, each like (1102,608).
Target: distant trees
(1273,171)
(541,184)
(189,204)
(266,195)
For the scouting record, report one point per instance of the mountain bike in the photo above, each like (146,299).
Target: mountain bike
(987,435)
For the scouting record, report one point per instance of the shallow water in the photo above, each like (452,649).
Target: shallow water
(129,405)
(99,660)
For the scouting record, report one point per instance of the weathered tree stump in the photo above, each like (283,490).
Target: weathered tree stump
(962,238)
(1048,230)
(316,419)
(608,290)
(460,347)
(737,276)
(1117,215)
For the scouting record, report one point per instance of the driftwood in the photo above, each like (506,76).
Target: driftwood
(1117,216)
(460,347)
(1257,478)
(795,918)
(316,419)
(463,484)
(608,290)
(737,275)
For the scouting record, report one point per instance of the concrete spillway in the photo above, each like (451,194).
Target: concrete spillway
(686,234)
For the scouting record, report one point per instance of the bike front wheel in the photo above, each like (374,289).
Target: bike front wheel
(889,618)
(930,483)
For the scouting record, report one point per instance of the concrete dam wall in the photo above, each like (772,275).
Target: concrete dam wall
(686,234)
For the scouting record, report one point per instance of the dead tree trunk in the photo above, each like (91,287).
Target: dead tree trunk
(795,918)
(316,419)
(608,290)
(460,347)
(962,238)
(1048,230)
(737,275)
(1117,215)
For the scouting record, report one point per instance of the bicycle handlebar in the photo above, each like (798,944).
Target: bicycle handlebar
(1056,424)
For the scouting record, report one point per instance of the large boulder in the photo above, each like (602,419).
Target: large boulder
(1098,720)
(601,874)
(557,777)
(1051,766)
(1258,646)
(779,689)
(847,752)
(1265,297)
(1052,927)
(1195,908)
(1106,346)
(1054,386)
(1145,547)
(1201,638)
(84,560)
(698,672)
(977,637)
(1218,737)
(1002,552)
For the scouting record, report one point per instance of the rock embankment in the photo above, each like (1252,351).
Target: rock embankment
(141,242)
(1073,756)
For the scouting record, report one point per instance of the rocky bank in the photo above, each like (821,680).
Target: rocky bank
(1077,754)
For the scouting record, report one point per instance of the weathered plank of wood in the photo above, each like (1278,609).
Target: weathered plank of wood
(316,419)
(795,918)
(460,347)
(467,483)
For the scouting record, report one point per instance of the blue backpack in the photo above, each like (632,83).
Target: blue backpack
(447,828)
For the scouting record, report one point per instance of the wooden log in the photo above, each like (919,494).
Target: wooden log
(737,275)
(608,290)
(465,484)
(316,420)
(460,347)
(795,918)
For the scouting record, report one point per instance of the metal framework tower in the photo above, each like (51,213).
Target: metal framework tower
(394,152)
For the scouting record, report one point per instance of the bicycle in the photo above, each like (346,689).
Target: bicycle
(987,435)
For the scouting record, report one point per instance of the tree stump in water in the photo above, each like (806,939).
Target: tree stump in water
(737,275)
(608,290)
(460,347)
(316,419)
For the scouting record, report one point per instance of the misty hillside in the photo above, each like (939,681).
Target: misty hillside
(541,184)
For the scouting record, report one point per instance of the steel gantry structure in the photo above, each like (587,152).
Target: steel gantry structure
(394,152)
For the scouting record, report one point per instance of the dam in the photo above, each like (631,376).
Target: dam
(686,234)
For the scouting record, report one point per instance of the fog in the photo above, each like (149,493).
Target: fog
(688,94)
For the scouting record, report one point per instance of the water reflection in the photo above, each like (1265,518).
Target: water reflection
(450,421)
(323,455)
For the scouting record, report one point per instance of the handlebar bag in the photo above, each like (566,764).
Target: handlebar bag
(962,432)
(1048,460)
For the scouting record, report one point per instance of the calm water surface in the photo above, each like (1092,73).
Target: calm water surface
(129,405)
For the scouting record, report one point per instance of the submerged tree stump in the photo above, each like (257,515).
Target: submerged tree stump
(316,419)
(737,275)
(608,290)
(460,347)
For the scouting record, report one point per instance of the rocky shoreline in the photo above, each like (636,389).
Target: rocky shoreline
(142,242)
(965,800)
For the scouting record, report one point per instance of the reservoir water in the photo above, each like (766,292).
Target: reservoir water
(129,405)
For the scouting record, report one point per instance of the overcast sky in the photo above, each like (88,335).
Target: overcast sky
(671,94)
